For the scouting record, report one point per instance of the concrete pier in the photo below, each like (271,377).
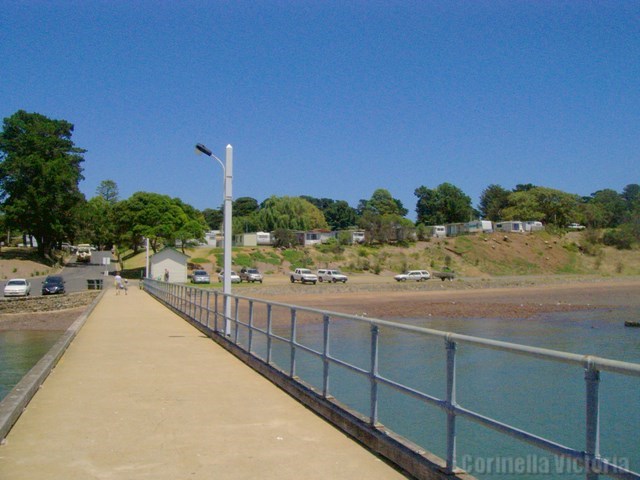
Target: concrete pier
(140,394)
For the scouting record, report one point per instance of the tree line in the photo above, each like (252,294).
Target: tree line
(41,168)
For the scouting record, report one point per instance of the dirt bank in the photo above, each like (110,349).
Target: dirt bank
(54,312)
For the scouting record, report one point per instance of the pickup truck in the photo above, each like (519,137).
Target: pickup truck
(303,275)
(250,275)
(444,276)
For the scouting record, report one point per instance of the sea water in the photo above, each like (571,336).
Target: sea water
(20,350)
(543,397)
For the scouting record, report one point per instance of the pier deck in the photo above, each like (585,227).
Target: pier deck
(140,394)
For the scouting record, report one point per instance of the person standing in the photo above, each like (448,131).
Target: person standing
(166,274)
(118,283)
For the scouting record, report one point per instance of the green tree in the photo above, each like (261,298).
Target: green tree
(245,206)
(340,215)
(95,221)
(492,200)
(544,204)
(382,203)
(292,213)
(611,204)
(108,190)
(40,169)
(214,218)
(445,204)
(157,217)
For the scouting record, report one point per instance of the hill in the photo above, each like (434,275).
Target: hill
(486,255)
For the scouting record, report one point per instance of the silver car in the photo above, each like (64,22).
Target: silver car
(415,275)
(200,276)
(332,276)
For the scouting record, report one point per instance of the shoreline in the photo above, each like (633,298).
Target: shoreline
(382,297)
(506,298)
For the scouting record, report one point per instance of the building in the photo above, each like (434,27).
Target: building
(171,260)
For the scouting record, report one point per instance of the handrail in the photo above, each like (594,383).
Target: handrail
(187,300)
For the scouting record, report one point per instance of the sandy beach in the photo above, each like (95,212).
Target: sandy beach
(499,298)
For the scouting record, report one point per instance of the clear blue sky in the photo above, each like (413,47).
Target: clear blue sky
(333,98)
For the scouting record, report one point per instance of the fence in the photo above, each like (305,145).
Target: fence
(256,334)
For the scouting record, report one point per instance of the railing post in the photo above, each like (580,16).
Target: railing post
(235,318)
(325,356)
(373,376)
(250,326)
(451,403)
(269,307)
(208,306)
(592,451)
(215,311)
(292,370)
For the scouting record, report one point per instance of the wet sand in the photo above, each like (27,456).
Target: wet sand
(462,301)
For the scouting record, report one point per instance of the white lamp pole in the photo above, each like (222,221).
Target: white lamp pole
(227,169)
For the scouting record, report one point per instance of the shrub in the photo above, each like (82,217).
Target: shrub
(619,238)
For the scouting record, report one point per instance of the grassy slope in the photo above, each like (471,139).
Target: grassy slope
(478,255)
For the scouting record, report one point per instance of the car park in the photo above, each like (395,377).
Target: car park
(200,276)
(235,278)
(17,287)
(413,275)
(250,275)
(53,284)
(325,275)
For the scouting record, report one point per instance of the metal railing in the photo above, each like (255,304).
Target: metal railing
(207,308)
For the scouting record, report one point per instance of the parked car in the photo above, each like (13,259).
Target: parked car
(303,275)
(52,285)
(234,277)
(200,276)
(332,276)
(250,275)
(415,275)
(575,226)
(17,287)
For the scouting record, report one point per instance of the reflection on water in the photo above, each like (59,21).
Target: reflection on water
(19,352)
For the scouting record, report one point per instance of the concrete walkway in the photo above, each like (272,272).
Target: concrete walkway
(140,394)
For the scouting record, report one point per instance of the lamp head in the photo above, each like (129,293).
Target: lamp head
(200,148)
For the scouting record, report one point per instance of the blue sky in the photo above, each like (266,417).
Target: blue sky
(332,98)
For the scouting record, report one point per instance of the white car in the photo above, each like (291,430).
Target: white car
(415,275)
(575,226)
(235,278)
(332,276)
(17,287)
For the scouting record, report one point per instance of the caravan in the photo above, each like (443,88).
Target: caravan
(480,226)
(515,226)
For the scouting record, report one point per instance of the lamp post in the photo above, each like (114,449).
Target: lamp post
(227,169)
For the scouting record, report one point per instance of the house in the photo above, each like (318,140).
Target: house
(171,260)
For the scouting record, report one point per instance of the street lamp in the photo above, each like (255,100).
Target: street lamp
(227,169)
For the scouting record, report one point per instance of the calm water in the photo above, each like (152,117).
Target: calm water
(543,397)
(19,351)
